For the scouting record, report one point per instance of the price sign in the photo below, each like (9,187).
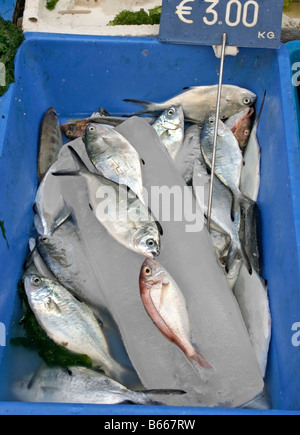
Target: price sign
(247,23)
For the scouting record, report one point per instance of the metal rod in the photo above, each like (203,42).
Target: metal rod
(213,164)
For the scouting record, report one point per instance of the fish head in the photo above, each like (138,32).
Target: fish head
(147,240)
(172,118)
(209,128)
(94,132)
(53,247)
(37,288)
(240,99)
(73,130)
(152,274)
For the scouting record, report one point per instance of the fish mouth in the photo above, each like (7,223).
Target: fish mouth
(155,253)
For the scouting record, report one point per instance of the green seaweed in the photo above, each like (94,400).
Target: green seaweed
(37,339)
(11,37)
(51,4)
(2,227)
(126,18)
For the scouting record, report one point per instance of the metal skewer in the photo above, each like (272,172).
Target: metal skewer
(213,164)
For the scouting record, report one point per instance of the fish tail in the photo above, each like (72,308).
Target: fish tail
(237,249)
(200,365)
(148,107)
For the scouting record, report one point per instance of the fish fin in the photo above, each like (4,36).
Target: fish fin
(166,392)
(261,109)
(160,229)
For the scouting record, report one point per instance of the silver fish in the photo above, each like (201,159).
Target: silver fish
(70,323)
(50,205)
(114,157)
(189,152)
(64,254)
(221,212)
(199,102)
(229,160)
(81,385)
(165,304)
(50,142)
(252,296)
(118,209)
(170,129)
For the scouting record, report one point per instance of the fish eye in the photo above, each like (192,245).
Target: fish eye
(246,132)
(36,281)
(150,243)
(171,112)
(247,101)
(147,271)
(69,132)
(44,239)
(211,120)
(92,129)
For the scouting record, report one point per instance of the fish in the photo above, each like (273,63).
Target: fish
(229,161)
(35,264)
(65,255)
(70,323)
(221,213)
(166,306)
(50,207)
(189,153)
(250,176)
(241,126)
(81,385)
(251,293)
(114,157)
(51,142)
(250,235)
(200,101)
(170,129)
(76,127)
(123,215)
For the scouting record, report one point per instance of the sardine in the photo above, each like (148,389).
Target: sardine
(50,142)
(123,215)
(250,177)
(70,323)
(241,126)
(189,153)
(81,385)
(170,129)
(166,306)
(221,213)
(229,160)
(114,157)
(199,102)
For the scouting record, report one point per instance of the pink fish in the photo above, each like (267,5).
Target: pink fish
(165,304)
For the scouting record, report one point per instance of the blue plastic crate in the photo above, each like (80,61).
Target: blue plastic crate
(76,74)
(294,49)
